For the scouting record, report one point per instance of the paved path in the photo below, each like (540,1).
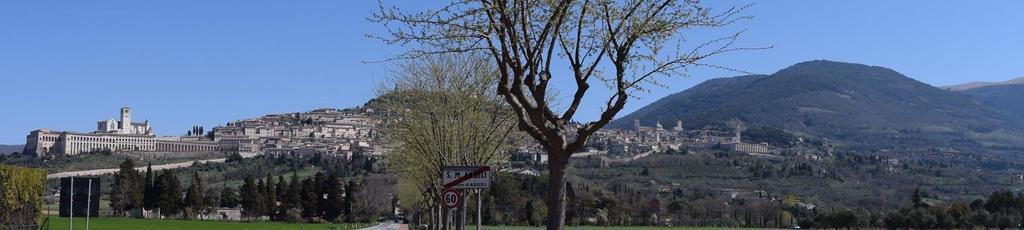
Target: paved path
(142,169)
(388,226)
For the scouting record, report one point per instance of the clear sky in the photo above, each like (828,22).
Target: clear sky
(66,64)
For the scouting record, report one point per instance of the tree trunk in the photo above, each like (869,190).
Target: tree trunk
(432,218)
(557,161)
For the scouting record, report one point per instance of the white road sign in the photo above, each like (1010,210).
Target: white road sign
(451,198)
(466,177)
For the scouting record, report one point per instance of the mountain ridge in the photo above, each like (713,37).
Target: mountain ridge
(1005,97)
(8,149)
(980,84)
(854,103)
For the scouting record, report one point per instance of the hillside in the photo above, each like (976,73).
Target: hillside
(867,106)
(1006,98)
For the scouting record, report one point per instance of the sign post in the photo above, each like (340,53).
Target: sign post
(478,205)
(464,177)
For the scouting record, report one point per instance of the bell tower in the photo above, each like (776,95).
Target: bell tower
(126,118)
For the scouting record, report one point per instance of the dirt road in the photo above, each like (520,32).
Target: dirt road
(95,172)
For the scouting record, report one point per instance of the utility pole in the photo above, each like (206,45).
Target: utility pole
(71,206)
(461,225)
(88,204)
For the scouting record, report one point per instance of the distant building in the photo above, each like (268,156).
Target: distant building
(748,148)
(124,126)
(113,136)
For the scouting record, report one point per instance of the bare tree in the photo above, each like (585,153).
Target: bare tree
(624,44)
(441,112)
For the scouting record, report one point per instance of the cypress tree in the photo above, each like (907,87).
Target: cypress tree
(350,190)
(193,196)
(211,198)
(335,200)
(294,192)
(916,198)
(270,197)
(281,189)
(309,199)
(228,197)
(260,201)
(127,191)
(149,190)
(322,188)
(118,193)
(249,205)
(169,191)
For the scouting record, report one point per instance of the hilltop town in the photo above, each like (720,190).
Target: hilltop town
(320,131)
(344,132)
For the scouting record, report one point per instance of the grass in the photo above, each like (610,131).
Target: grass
(61,223)
(600,228)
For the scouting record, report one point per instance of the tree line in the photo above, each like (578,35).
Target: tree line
(323,197)
(1003,209)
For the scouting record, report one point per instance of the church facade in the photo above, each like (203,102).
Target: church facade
(124,126)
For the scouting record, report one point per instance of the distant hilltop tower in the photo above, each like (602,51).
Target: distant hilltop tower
(636,125)
(739,132)
(126,118)
(679,126)
(125,125)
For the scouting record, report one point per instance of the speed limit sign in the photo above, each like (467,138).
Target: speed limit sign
(451,198)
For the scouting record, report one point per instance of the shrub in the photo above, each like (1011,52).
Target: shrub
(21,195)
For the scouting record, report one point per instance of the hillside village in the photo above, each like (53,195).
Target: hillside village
(320,131)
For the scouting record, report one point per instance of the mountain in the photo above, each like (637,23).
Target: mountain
(867,106)
(975,85)
(1003,97)
(8,149)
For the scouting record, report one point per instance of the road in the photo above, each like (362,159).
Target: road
(141,169)
(388,226)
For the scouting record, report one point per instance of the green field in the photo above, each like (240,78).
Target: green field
(60,223)
(106,223)
(600,228)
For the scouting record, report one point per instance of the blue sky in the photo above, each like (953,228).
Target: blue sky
(66,64)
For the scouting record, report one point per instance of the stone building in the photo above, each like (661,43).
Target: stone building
(125,125)
(111,135)
(43,142)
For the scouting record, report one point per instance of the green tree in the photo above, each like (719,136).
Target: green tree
(294,192)
(350,191)
(445,114)
(532,218)
(194,199)
(228,197)
(169,190)
(916,200)
(211,198)
(625,45)
(920,218)
(151,194)
(250,199)
(335,198)
(270,197)
(127,190)
(282,190)
(260,199)
(310,198)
